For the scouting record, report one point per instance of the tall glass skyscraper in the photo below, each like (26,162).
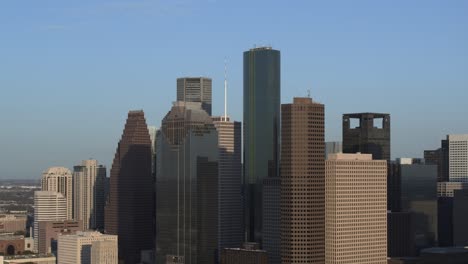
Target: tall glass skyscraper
(261,131)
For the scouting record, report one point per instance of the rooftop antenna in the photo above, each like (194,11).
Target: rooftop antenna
(225,89)
(308,93)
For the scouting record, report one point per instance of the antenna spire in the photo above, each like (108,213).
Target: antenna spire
(225,89)
(308,93)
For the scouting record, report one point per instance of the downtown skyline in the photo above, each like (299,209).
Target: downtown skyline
(74,107)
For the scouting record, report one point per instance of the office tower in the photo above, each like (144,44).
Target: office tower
(78,248)
(195,89)
(445,219)
(303,182)
(104,252)
(88,194)
(230,183)
(460,218)
(187,186)
(419,197)
(440,158)
(48,206)
(393,186)
(261,131)
(458,157)
(333,148)
(130,206)
(59,179)
(371,135)
(50,230)
(355,209)
(400,234)
(249,253)
(272,219)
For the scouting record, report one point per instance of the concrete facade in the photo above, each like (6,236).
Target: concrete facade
(104,252)
(355,209)
(10,223)
(302,182)
(59,179)
(50,230)
(77,248)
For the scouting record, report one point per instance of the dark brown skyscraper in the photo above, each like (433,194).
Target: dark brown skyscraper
(303,182)
(130,207)
(370,136)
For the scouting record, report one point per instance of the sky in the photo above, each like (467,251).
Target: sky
(71,70)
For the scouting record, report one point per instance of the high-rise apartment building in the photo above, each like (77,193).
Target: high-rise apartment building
(79,248)
(59,179)
(48,206)
(88,194)
(355,209)
(230,209)
(195,89)
(370,134)
(261,131)
(458,157)
(129,207)
(303,182)
(187,180)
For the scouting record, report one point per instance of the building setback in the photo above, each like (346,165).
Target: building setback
(355,209)
(368,136)
(261,131)
(195,89)
(59,179)
(129,208)
(303,182)
(187,187)
(88,194)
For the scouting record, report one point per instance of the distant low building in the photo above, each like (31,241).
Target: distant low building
(11,245)
(10,223)
(79,248)
(28,259)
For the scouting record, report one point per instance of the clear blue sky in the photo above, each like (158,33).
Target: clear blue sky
(70,70)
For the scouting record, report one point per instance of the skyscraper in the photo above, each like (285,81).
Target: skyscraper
(195,89)
(187,186)
(230,183)
(129,208)
(439,157)
(303,182)
(261,131)
(48,206)
(458,157)
(356,209)
(419,197)
(59,179)
(371,135)
(88,194)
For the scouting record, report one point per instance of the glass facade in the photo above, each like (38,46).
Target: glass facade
(187,186)
(419,197)
(261,131)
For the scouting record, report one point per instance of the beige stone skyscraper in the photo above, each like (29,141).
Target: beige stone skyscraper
(355,209)
(88,194)
(302,182)
(59,179)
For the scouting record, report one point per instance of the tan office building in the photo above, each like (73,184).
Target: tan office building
(10,223)
(302,182)
(355,209)
(73,249)
(104,252)
(59,179)
(50,230)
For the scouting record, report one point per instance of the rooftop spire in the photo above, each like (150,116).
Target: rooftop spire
(225,89)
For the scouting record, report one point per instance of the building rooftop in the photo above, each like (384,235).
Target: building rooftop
(31,256)
(349,156)
(445,250)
